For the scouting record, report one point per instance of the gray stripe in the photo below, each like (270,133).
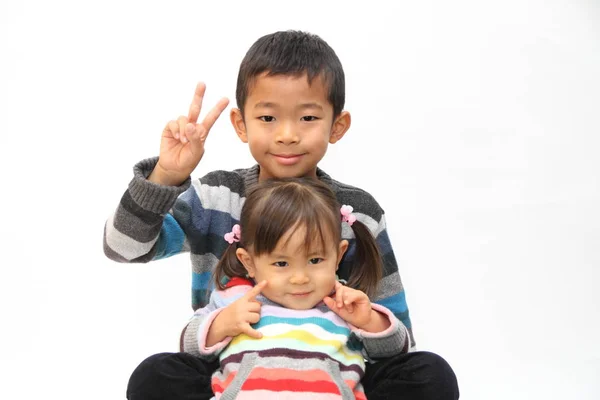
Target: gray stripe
(219,198)
(389,286)
(204,262)
(132,226)
(123,245)
(190,339)
(386,346)
(334,371)
(236,384)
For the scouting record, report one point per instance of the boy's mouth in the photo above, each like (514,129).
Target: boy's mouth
(287,159)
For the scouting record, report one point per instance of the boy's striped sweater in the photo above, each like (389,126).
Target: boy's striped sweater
(153,222)
(302,352)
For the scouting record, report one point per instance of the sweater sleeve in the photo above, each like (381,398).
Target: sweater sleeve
(194,340)
(391,293)
(143,227)
(394,340)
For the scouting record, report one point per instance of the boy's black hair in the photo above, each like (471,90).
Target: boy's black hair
(293,53)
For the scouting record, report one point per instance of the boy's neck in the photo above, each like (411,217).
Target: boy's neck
(262,177)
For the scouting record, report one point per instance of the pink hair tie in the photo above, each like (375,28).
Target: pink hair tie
(234,235)
(347,215)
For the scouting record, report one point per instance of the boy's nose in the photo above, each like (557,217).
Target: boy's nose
(287,134)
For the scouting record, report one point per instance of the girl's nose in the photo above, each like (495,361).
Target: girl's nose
(299,278)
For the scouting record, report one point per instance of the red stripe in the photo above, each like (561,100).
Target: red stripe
(291,385)
(238,281)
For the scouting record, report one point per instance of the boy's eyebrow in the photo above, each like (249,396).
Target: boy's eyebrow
(268,104)
(310,105)
(265,104)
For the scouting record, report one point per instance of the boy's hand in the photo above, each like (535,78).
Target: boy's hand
(237,317)
(354,307)
(182,143)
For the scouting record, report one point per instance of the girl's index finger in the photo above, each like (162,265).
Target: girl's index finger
(196,105)
(255,291)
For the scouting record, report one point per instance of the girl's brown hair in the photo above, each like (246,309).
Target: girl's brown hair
(273,207)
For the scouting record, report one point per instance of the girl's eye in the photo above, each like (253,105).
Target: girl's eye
(315,260)
(267,118)
(309,118)
(280,263)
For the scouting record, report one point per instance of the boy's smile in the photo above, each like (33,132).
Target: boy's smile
(288,124)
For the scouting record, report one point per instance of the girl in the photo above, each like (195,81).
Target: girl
(280,321)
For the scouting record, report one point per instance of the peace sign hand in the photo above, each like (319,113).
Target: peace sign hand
(182,142)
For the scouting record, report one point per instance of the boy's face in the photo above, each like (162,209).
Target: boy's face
(288,124)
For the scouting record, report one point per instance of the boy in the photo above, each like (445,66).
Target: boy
(290,97)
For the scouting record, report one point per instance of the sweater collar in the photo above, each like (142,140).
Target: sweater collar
(253,172)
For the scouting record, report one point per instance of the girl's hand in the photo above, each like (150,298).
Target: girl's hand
(182,143)
(354,307)
(237,317)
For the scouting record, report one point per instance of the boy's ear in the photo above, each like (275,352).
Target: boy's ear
(237,120)
(341,251)
(340,127)
(246,261)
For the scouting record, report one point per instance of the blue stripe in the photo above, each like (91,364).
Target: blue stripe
(205,220)
(322,322)
(397,305)
(201,281)
(170,240)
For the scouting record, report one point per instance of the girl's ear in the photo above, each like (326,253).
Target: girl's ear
(237,120)
(341,251)
(340,127)
(246,261)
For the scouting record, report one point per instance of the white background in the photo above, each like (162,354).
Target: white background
(475,124)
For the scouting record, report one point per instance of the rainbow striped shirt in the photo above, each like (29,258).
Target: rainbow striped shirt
(303,353)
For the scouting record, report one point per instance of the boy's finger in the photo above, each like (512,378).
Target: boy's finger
(255,291)
(182,123)
(171,130)
(196,105)
(214,114)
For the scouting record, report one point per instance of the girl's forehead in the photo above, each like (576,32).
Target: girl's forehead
(299,239)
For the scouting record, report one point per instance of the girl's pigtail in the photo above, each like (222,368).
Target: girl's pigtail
(228,267)
(367,265)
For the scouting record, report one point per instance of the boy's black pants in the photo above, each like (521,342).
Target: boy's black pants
(181,376)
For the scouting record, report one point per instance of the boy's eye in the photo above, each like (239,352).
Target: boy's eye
(280,263)
(267,118)
(309,118)
(315,260)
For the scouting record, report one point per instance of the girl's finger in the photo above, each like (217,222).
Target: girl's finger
(253,317)
(253,333)
(339,296)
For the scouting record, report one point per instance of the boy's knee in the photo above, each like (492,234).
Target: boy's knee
(435,370)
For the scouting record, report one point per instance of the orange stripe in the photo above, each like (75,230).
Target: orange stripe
(290,385)
(310,375)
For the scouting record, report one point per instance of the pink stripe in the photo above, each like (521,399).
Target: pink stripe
(265,394)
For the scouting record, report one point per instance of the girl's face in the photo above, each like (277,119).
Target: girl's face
(297,278)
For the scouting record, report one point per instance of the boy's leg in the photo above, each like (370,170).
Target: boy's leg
(419,375)
(172,376)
